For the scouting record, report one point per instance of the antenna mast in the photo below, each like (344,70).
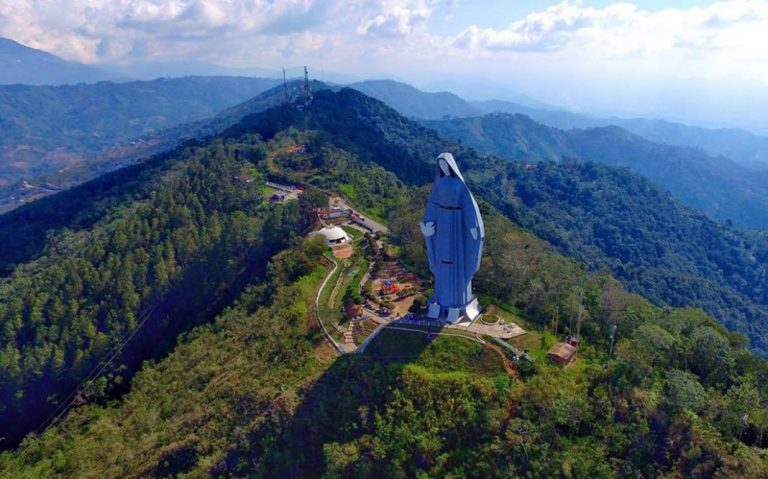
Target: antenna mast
(307,89)
(285,88)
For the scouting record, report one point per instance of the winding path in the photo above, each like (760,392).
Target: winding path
(317,308)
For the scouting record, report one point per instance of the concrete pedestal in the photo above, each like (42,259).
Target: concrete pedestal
(469,311)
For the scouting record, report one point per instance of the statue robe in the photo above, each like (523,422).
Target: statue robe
(454,255)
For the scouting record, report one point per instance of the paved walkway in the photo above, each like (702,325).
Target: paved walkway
(328,336)
(365,221)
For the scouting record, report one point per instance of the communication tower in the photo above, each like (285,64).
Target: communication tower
(307,89)
(286,99)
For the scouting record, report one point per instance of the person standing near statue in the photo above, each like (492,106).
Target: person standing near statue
(454,234)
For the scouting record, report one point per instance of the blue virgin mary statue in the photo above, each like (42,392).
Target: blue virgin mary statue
(454,233)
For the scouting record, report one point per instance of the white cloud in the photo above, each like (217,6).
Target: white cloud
(109,30)
(622,29)
(408,38)
(119,30)
(393,19)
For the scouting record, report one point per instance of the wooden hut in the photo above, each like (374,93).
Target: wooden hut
(562,354)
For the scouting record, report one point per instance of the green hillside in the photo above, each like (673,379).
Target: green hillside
(257,392)
(605,216)
(138,251)
(46,128)
(115,156)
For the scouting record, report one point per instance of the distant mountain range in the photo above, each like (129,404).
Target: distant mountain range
(738,145)
(717,186)
(741,146)
(47,140)
(412,102)
(44,129)
(52,137)
(25,65)
(21,64)
(723,187)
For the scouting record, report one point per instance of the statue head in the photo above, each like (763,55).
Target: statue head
(445,170)
(446,166)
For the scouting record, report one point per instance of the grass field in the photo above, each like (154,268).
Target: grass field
(536,342)
(355,233)
(442,353)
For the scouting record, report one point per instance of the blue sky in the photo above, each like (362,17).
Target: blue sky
(499,14)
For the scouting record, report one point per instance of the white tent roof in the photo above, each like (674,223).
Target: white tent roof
(331,233)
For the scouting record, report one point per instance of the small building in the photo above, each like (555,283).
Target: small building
(334,235)
(332,214)
(288,188)
(562,354)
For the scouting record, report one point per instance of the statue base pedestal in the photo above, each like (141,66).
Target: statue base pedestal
(469,311)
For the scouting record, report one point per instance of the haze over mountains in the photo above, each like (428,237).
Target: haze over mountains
(48,143)
(719,187)
(738,145)
(21,64)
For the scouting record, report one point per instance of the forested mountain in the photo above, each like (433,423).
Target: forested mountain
(133,247)
(258,393)
(684,256)
(741,146)
(744,147)
(412,102)
(717,186)
(47,142)
(44,129)
(22,64)
(122,154)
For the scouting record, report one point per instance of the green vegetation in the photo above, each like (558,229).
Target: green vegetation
(146,262)
(605,217)
(259,393)
(355,233)
(717,186)
(436,353)
(191,407)
(61,126)
(613,220)
(410,407)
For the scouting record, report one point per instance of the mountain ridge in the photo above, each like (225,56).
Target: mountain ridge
(706,258)
(744,147)
(20,64)
(406,148)
(257,391)
(47,129)
(719,187)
